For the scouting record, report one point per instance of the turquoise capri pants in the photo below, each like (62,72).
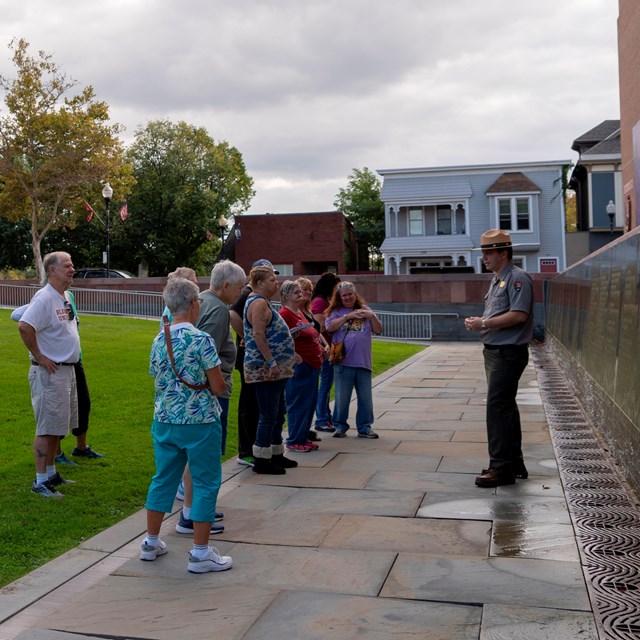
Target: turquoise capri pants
(176,444)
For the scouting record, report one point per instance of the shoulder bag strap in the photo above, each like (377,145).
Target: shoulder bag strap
(167,336)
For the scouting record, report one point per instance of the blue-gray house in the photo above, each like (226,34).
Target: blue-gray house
(597,181)
(435,216)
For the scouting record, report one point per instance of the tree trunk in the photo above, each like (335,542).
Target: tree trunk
(36,239)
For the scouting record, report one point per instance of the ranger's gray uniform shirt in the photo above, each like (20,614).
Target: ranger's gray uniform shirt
(512,290)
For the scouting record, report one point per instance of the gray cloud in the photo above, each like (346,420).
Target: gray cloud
(309,90)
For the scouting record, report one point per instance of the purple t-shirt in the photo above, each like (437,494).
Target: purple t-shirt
(357,341)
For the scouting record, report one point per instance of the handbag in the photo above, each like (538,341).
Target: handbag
(337,352)
(167,336)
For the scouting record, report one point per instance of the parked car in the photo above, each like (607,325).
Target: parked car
(101,272)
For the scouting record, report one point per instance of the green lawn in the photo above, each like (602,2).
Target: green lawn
(34,530)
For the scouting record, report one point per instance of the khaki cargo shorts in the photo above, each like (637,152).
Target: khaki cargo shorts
(55,400)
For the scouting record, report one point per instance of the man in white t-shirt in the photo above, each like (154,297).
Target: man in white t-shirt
(49,331)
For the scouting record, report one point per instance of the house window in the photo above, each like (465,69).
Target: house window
(443,215)
(284,269)
(514,214)
(416,222)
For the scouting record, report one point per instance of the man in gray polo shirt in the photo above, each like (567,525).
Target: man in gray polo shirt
(506,328)
(50,332)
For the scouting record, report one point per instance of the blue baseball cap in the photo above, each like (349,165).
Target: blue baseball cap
(264,263)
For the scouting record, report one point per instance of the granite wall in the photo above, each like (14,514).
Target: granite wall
(593,327)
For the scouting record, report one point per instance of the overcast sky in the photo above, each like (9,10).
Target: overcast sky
(309,89)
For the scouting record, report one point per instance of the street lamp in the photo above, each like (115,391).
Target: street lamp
(107,192)
(611,212)
(222,224)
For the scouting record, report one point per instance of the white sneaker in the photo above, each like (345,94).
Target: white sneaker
(180,491)
(147,552)
(213,561)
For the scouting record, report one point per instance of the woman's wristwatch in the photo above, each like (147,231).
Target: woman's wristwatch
(271,363)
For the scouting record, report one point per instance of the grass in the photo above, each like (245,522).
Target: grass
(115,354)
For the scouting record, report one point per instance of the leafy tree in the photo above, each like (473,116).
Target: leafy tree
(55,148)
(360,201)
(571,213)
(185,183)
(15,248)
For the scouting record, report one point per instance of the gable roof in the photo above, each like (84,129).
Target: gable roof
(606,129)
(513,182)
(608,147)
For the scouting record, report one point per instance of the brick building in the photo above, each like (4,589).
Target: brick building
(296,243)
(629,66)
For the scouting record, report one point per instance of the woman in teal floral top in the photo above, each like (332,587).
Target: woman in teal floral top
(186,428)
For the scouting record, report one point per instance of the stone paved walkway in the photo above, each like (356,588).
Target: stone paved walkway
(370,539)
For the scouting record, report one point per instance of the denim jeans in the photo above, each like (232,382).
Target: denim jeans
(301,394)
(270,396)
(323,411)
(248,416)
(346,380)
(504,367)
(224,405)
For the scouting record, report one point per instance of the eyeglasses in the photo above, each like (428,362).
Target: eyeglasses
(199,301)
(70,314)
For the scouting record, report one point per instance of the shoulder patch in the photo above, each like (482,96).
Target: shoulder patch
(517,285)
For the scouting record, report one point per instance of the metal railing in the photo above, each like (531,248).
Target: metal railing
(404,326)
(140,304)
(144,304)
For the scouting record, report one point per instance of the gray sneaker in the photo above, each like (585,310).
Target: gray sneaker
(213,561)
(147,552)
(371,434)
(46,490)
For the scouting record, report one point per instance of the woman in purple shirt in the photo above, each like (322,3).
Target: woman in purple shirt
(349,320)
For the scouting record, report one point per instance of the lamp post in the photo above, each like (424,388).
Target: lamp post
(611,212)
(222,224)
(107,192)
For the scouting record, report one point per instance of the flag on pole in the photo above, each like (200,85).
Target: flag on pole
(87,206)
(124,212)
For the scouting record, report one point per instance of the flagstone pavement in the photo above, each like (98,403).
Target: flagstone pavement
(369,539)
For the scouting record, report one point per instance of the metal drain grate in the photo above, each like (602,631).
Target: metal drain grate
(605,517)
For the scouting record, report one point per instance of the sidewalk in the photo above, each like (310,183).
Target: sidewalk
(370,539)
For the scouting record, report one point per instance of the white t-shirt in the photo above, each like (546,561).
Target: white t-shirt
(57,336)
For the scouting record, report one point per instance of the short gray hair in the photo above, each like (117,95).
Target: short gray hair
(178,294)
(286,289)
(183,272)
(52,259)
(226,271)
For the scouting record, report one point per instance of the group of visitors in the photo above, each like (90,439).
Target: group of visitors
(319,333)
(191,359)
(281,356)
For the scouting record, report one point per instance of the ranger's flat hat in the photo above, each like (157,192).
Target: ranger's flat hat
(495,239)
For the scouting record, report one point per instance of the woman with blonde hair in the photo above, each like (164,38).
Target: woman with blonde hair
(350,321)
(269,359)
